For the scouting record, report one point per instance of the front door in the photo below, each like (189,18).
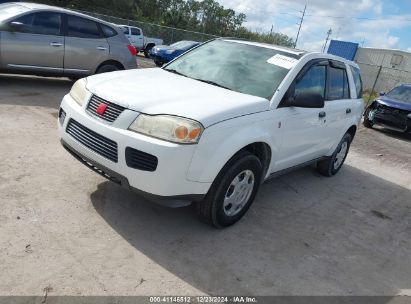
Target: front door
(303,129)
(34,43)
(86,46)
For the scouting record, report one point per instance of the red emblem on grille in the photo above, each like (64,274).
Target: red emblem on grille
(101,109)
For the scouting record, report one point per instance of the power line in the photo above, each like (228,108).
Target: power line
(359,18)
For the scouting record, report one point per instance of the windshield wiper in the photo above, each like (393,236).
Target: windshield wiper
(175,72)
(213,83)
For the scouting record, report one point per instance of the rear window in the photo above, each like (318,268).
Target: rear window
(82,28)
(108,31)
(357,80)
(337,84)
(135,31)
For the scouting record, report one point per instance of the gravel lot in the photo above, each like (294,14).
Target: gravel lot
(66,230)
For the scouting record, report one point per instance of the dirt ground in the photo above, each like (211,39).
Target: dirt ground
(67,231)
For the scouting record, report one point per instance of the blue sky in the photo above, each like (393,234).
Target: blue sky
(376,23)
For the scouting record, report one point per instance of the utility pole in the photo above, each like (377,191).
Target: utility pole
(330,31)
(301,23)
(271,32)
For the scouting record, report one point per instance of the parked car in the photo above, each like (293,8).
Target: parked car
(50,41)
(142,43)
(230,115)
(163,53)
(391,110)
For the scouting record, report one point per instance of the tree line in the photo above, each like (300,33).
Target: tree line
(206,16)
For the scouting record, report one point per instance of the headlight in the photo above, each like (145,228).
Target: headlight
(79,92)
(409,116)
(170,128)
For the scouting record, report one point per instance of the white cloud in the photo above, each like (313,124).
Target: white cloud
(262,14)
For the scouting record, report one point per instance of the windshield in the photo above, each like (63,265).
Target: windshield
(8,10)
(182,44)
(237,66)
(402,93)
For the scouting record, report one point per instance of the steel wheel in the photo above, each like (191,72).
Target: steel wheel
(239,192)
(340,156)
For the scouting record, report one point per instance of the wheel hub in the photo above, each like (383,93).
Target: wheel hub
(339,157)
(239,192)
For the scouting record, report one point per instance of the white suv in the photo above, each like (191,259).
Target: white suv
(215,123)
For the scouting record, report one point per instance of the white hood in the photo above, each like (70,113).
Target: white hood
(155,91)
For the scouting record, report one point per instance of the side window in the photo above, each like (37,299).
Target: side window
(43,23)
(108,31)
(125,30)
(312,81)
(82,28)
(357,80)
(338,87)
(135,31)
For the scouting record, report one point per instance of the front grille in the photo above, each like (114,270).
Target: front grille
(111,113)
(140,160)
(62,116)
(99,144)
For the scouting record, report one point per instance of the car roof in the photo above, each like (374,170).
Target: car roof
(40,7)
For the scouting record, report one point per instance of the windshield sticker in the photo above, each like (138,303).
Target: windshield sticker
(283,61)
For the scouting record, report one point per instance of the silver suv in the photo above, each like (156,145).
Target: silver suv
(50,41)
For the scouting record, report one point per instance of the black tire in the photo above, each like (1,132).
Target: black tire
(367,122)
(212,209)
(327,167)
(147,52)
(107,68)
(158,63)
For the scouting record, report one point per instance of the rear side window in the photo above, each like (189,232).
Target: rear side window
(43,23)
(82,28)
(108,31)
(357,80)
(135,31)
(313,81)
(338,87)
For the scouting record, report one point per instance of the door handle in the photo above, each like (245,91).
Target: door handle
(100,48)
(348,111)
(322,114)
(56,44)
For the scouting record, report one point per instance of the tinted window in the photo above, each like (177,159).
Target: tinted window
(135,31)
(82,28)
(357,80)
(108,31)
(40,23)
(125,30)
(337,84)
(313,81)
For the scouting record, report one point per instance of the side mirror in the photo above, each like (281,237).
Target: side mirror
(15,26)
(382,93)
(307,100)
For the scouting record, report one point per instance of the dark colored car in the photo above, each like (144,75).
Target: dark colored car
(164,53)
(391,110)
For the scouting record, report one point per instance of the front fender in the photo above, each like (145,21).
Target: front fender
(221,142)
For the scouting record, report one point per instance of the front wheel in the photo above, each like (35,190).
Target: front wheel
(367,121)
(232,192)
(331,165)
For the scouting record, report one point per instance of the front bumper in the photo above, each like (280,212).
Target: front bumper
(168,184)
(390,118)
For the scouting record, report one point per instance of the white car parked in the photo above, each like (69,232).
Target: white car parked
(137,38)
(215,123)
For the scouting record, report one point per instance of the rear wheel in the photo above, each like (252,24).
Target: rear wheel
(232,192)
(147,51)
(333,164)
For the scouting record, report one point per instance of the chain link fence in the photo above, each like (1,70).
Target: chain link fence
(378,79)
(168,34)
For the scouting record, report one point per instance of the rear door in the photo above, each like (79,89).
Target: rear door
(86,46)
(338,104)
(35,44)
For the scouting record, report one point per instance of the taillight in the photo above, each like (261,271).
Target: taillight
(132,50)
